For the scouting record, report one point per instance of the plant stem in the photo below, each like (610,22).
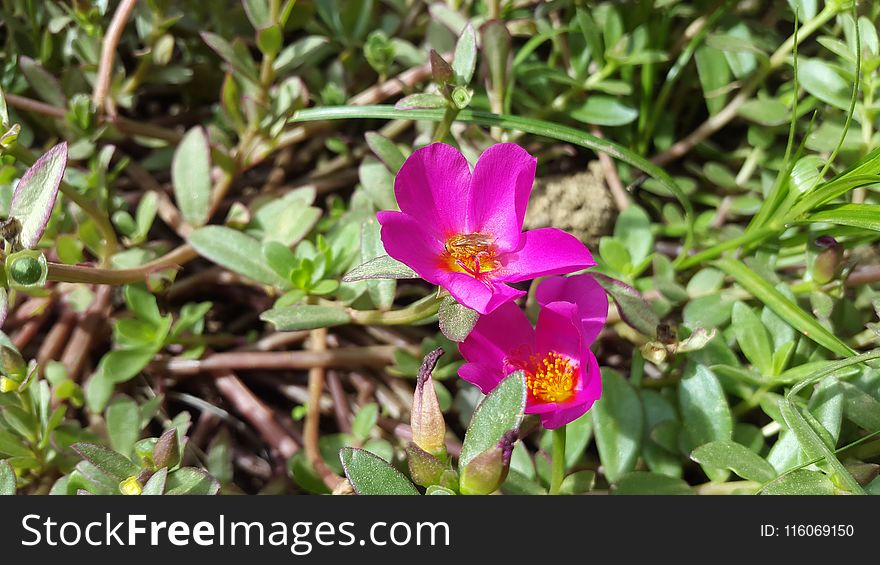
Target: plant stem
(558,469)
(115,277)
(444,124)
(415,312)
(108,56)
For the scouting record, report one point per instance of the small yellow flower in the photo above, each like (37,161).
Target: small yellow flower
(7,385)
(130,487)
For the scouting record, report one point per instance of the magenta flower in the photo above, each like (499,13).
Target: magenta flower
(562,374)
(463,231)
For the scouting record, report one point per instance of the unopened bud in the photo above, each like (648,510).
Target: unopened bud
(827,264)
(12,364)
(442,71)
(131,487)
(461,97)
(426,470)
(143,450)
(166,452)
(26,269)
(426,419)
(485,472)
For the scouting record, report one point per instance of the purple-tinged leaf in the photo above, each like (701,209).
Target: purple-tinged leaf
(634,310)
(34,196)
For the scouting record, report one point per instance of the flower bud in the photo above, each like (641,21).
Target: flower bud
(166,452)
(7,385)
(485,472)
(426,470)
(461,97)
(26,269)
(12,364)
(826,265)
(143,450)
(131,487)
(442,71)
(426,419)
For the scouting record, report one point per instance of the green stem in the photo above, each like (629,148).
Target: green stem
(558,469)
(720,248)
(443,125)
(116,277)
(416,312)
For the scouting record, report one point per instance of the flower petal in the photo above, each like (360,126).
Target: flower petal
(485,377)
(558,330)
(500,190)
(585,292)
(496,335)
(546,251)
(433,186)
(405,240)
(476,295)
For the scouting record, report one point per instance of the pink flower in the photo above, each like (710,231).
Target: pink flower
(463,231)
(562,374)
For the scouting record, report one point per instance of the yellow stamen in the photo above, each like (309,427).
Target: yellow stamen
(552,378)
(471,253)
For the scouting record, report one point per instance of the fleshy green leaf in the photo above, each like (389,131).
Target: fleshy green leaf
(604,111)
(651,483)
(123,424)
(465,58)
(456,321)
(383,267)
(34,196)
(189,480)
(617,424)
(7,478)
(236,251)
(305,317)
(498,413)
(752,338)
(704,410)
(726,454)
(866,216)
(370,475)
(191,176)
(115,466)
(801,482)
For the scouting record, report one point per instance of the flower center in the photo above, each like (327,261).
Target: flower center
(551,378)
(471,253)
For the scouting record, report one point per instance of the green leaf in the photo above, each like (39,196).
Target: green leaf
(370,475)
(257,12)
(726,454)
(365,420)
(191,176)
(498,413)
(866,216)
(381,291)
(752,338)
(651,483)
(821,80)
(34,196)
(286,220)
(192,481)
(44,83)
(465,59)
(801,482)
(236,55)
(385,150)
(704,409)
(382,267)
(815,447)
(115,466)
(578,482)
(7,479)
(456,321)
(121,365)
(305,317)
(235,251)
(421,101)
(155,486)
(634,310)
(12,445)
(604,110)
(860,407)
(782,306)
(617,424)
(142,303)
(714,75)
(123,424)
(633,229)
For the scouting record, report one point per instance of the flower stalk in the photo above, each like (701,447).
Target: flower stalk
(557,472)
